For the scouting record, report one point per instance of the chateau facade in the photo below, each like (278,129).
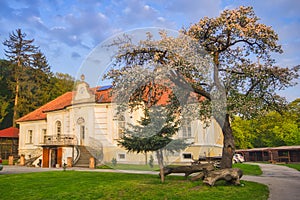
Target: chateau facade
(82,123)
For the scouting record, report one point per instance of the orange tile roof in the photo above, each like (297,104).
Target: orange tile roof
(65,100)
(56,104)
(62,102)
(10,132)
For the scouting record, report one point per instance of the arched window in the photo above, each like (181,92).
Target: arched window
(58,128)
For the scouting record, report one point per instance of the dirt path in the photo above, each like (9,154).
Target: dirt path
(283,182)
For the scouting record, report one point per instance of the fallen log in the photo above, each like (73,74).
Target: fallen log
(230,175)
(188,170)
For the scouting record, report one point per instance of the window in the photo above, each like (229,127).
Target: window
(81,124)
(30,136)
(121,156)
(121,126)
(58,128)
(186,130)
(187,156)
(82,132)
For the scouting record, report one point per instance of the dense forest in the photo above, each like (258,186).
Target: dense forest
(26,79)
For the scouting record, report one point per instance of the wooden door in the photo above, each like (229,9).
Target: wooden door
(46,157)
(59,156)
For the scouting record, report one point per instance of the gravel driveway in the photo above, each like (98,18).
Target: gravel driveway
(283,182)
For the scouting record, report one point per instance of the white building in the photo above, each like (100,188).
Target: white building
(82,123)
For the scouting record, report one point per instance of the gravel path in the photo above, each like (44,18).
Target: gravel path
(283,182)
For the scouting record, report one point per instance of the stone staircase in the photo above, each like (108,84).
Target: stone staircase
(84,158)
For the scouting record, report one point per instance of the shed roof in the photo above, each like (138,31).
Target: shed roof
(10,132)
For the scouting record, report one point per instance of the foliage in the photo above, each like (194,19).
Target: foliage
(60,84)
(26,79)
(243,135)
(20,51)
(231,43)
(153,132)
(5,93)
(114,161)
(97,185)
(269,130)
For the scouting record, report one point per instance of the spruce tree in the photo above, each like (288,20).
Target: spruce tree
(19,52)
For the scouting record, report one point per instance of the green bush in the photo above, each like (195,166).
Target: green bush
(114,161)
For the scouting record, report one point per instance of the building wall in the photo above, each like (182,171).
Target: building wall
(99,125)
(30,145)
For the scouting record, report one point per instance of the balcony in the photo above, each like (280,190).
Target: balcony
(62,140)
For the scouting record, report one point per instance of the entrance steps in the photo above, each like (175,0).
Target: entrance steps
(84,158)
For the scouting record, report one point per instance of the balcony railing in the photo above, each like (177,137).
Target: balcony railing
(60,140)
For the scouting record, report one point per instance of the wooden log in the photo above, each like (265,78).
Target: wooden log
(231,175)
(198,177)
(188,170)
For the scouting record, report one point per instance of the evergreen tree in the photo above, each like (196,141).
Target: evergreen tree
(155,131)
(19,52)
(6,101)
(60,84)
(41,76)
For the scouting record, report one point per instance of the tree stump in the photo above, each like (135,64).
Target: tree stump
(231,175)
(188,170)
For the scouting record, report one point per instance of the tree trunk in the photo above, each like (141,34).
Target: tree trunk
(229,175)
(16,104)
(160,160)
(188,170)
(146,159)
(228,144)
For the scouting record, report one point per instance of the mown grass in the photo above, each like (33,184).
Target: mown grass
(97,185)
(129,167)
(293,165)
(248,169)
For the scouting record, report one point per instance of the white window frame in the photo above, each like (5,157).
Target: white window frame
(186,130)
(30,136)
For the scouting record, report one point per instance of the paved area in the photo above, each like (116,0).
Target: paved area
(7,169)
(283,182)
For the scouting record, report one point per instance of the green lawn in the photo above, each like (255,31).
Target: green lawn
(292,165)
(248,169)
(129,167)
(97,185)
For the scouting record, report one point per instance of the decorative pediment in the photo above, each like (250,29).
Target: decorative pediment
(83,93)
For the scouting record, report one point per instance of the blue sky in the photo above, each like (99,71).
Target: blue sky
(67,31)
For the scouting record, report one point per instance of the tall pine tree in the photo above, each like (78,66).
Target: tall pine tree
(19,51)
